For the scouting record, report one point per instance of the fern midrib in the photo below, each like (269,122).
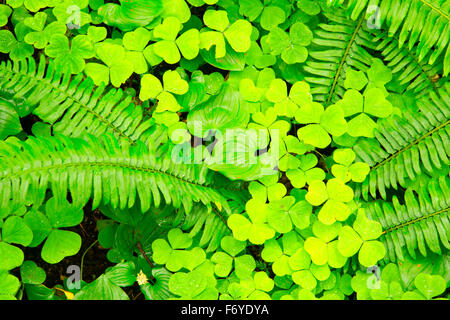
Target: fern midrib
(413,221)
(343,60)
(441,13)
(101,164)
(409,146)
(95,114)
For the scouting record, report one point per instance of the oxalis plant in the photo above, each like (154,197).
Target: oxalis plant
(224,149)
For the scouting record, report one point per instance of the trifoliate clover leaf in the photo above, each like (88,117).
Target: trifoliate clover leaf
(306,172)
(331,121)
(285,213)
(322,248)
(292,46)
(151,88)
(40,36)
(362,238)
(135,43)
(345,170)
(256,230)
(373,103)
(70,56)
(172,254)
(336,194)
(117,68)
(238,34)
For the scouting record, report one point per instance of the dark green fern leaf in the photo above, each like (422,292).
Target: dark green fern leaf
(103,169)
(336,46)
(421,224)
(418,75)
(422,25)
(73,105)
(408,146)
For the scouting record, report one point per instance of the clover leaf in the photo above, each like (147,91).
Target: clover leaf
(345,169)
(336,194)
(5,12)
(32,274)
(306,172)
(325,122)
(9,285)
(373,103)
(14,230)
(172,253)
(61,243)
(362,238)
(292,46)
(41,36)
(71,55)
(285,213)
(135,42)
(237,34)
(169,46)
(255,229)
(322,247)
(152,88)
(117,69)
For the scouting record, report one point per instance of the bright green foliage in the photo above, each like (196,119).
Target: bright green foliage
(225,149)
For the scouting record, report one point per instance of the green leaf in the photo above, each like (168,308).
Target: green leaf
(15,230)
(32,274)
(216,19)
(7,41)
(333,120)
(189,44)
(349,242)
(178,239)
(315,135)
(10,256)
(101,289)
(355,80)
(238,35)
(60,244)
(371,252)
(271,17)
(9,285)
(63,214)
(430,285)
(151,87)
(9,119)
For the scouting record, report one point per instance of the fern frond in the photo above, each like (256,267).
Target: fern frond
(420,224)
(73,105)
(417,74)
(103,169)
(337,46)
(407,146)
(422,24)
